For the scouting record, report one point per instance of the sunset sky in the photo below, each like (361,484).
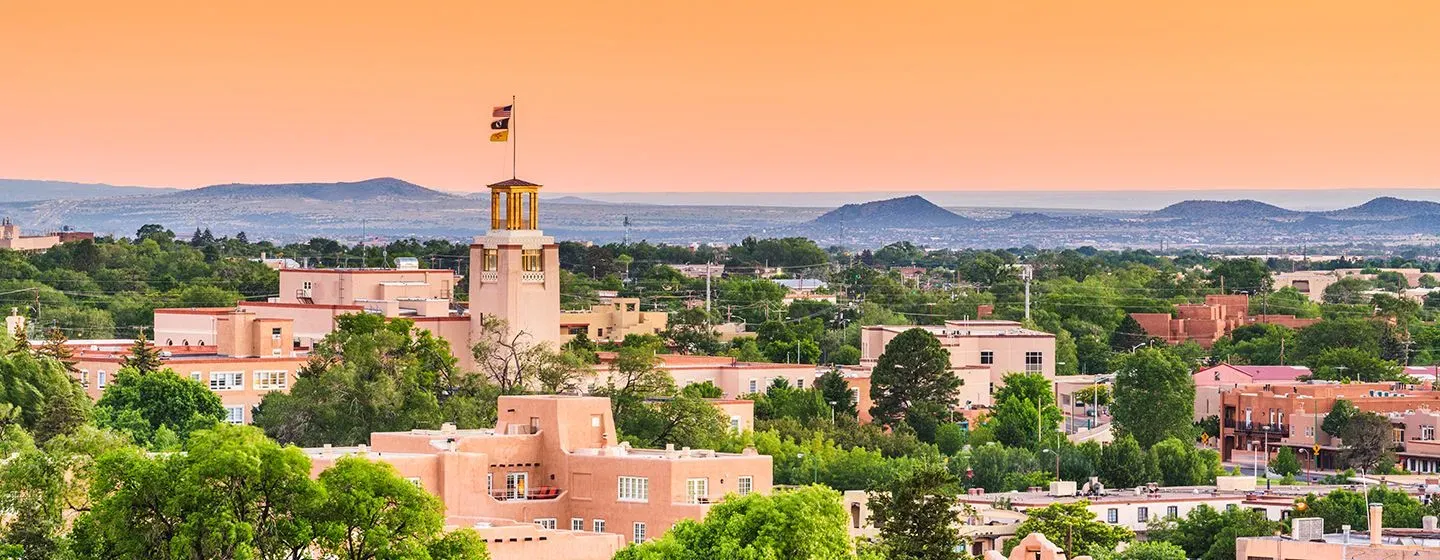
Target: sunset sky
(682,95)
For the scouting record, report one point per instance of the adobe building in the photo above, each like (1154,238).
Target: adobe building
(611,320)
(1211,381)
(1257,420)
(982,352)
(250,357)
(1308,541)
(555,461)
(1206,323)
(10,238)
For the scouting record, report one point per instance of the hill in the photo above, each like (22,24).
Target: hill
(1222,209)
(25,190)
(1386,207)
(369,189)
(905,212)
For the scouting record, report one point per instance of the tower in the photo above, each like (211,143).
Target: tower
(515,267)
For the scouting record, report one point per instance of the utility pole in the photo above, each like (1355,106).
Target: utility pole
(708,266)
(1027,273)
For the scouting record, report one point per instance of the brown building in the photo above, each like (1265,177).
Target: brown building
(1205,323)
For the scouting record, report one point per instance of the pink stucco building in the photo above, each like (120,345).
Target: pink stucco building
(1206,323)
(10,238)
(1211,381)
(555,461)
(981,353)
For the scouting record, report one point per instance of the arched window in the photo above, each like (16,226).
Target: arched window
(855,515)
(169,342)
(185,342)
(201,343)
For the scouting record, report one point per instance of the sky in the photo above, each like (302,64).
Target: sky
(733,95)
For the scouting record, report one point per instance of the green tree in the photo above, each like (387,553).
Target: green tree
(1014,420)
(1145,550)
(836,390)
(1122,463)
(1368,444)
(1346,364)
(42,487)
(143,357)
(1208,534)
(1154,396)
(917,516)
(374,375)
(1347,290)
(1285,462)
(950,438)
(1072,526)
(802,524)
(1181,464)
(683,420)
(912,381)
(141,404)
(1128,335)
(370,512)
(1241,275)
(1340,414)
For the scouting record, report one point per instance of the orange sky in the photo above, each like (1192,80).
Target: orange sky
(685,95)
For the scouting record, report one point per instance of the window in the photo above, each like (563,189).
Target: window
(639,535)
(530,260)
(271,379)
(634,489)
(697,490)
(577,331)
(1143,514)
(598,525)
(490,483)
(515,484)
(195,376)
(227,381)
(546,522)
(800,383)
(235,414)
(854,396)
(84,378)
(1230,507)
(416,481)
(1172,511)
(987,357)
(577,523)
(594,420)
(745,485)
(100,379)
(735,423)
(275,333)
(1034,362)
(1112,515)
(754,386)
(492,259)
(1427,433)
(1309,431)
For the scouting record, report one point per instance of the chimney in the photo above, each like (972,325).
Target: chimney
(1377,527)
(325,451)
(1428,523)
(361,449)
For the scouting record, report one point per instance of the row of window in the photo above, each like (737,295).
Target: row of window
(235,380)
(757,385)
(638,531)
(1034,361)
(100,378)
(697,490)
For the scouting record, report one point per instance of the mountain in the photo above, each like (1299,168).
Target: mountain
(1222,209)
(1386,208)
(905,212)
(383,188)
(25,190)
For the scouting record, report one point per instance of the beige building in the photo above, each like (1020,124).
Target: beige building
(10,238)
(611,320)
(556,462)
(1308,541)
(981,353)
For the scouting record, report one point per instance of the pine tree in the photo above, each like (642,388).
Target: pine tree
(57,348)
(143,357)
(21,343)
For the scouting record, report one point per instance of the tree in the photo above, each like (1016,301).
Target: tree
(691,331)
(560,372)
(1072,526)
(1121,463)
(836,392)
(1207,534)
(1144,550)
(1345,507)
(1345,364)
(373,374)
(1241,275)
(683,420)
(37,393)
(1128,335)
(140,404)
(912,381)
(1347,290)
(143,357)
(508,359)
(950,438)
(916,515)
(803,524)
(1367,438)
(1181,464)
(56,347)
(371,513)
(1361,334)
(1154,396)
(634,376)
(1340,414)
(1015,419)
(1285,462)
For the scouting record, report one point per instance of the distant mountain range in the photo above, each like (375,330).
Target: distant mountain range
(23,190)
(391,208)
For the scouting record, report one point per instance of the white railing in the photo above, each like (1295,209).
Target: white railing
(489,276)
(532,277)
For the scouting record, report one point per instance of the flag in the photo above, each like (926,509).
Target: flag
(502,124)
(502,136)
(502,111)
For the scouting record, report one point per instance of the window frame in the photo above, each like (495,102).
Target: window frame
(634,489)
(744,485)
(237,376)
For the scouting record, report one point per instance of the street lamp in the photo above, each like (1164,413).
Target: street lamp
(832,412)
(815,475)
(1057,462)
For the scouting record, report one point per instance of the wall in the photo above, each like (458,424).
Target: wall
(247,396)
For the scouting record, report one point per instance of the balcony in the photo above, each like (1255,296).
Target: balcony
(532,277)
(532,493)
(1280,430)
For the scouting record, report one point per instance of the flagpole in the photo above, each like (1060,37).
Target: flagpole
(514,138)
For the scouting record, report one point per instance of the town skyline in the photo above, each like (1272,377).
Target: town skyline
(1040,96)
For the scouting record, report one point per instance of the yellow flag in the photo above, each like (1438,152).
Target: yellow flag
(502,136)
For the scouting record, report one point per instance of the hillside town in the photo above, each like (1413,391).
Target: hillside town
(1138,394)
